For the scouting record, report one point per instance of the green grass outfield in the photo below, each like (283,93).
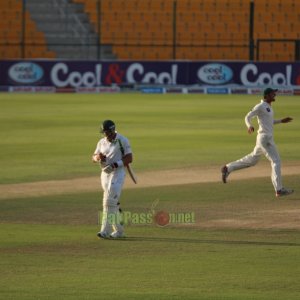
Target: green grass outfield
(239,247)
(46,137)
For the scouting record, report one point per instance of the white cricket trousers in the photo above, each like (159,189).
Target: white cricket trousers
(112,187)
(264,145)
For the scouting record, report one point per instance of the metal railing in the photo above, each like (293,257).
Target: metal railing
(79,30)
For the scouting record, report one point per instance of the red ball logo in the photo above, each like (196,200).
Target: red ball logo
(162,218)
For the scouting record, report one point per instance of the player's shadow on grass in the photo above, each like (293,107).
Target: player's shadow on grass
(204,241)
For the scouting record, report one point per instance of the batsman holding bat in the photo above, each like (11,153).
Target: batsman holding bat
(264,143)
(113,153)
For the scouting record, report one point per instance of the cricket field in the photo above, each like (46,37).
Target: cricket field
(189,236)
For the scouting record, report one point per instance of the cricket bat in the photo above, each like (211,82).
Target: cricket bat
(131,174)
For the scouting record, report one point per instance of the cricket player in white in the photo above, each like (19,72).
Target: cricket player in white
(113,152)
(264,143)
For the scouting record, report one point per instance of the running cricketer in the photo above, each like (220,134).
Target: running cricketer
(264,143)
(113,152)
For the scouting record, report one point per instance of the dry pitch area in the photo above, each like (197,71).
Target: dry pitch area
(280,213)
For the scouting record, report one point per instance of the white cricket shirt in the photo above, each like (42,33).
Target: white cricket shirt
(112,150)
(265,117)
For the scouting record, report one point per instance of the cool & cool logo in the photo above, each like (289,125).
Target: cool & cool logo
(215,73)
(25,72)
(62,76)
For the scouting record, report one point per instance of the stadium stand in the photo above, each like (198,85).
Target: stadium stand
(17,28)
(167,29)
(277,19)
(203,28)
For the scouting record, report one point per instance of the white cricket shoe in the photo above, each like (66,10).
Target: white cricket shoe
(284,192)
(117,235)
(102,235)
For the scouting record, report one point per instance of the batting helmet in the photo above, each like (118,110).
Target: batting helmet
(107,125)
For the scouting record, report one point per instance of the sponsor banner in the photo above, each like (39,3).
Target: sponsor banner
(288,92)
(175,90)
(247,74)
(281,91)
(25,73)
(45,89)
(21,89)
(196,91)
(297,92)
(217,91)
(256,91)
(241,91)
(215,74)
(87,90)
(65,90)
(92,74)
(93,90)
(75,74)
(114,89)
(152,90)
(31,89)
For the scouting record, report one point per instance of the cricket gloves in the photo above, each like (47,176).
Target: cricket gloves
(99,158)
(112,167)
